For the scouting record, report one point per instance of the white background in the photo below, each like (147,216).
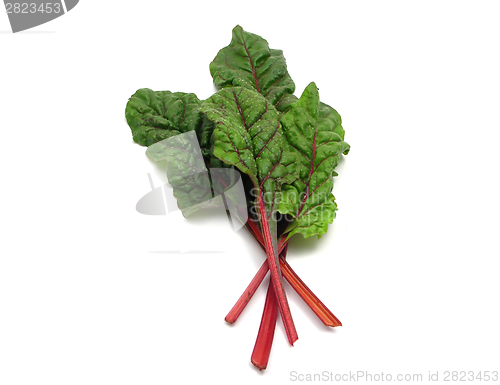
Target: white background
(410,265)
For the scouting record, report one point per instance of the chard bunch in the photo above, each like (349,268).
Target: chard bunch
(282,149)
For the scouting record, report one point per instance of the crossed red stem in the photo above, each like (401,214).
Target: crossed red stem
(273,262)
(265,336)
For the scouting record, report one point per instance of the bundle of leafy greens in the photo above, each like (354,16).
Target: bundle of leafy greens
(283,149)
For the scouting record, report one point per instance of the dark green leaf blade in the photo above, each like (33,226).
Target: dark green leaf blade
(315,130)
(285,102)
(154,116)
(249,62)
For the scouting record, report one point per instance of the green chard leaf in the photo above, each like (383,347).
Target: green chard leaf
(157,115)
(249,62)
(315,130)
(248,135)
(285,102)
(205,133)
